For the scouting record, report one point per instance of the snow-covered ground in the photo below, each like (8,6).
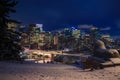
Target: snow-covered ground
(33,71)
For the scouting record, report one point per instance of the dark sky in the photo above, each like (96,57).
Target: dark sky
(54,14)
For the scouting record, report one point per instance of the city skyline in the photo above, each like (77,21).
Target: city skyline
(104,14)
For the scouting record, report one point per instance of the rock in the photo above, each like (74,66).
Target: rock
(101,51)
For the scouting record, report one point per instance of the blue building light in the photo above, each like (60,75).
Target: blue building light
(73,28)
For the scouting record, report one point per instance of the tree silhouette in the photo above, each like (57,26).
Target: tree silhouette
(9,40)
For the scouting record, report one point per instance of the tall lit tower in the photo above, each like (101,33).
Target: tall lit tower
(40,27)
(32,28)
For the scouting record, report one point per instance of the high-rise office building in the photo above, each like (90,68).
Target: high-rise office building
(67,32)
(24,39)
(76,33)
(31,28)
(40,27)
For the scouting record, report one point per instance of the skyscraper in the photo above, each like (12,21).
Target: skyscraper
(40,27)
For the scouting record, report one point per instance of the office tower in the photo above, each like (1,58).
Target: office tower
(76,34)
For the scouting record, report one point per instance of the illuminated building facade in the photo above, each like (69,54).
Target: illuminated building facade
(24,39)
(67,32)
(39,27)
(35,32)
(41,40)
(76,34)
(56,40)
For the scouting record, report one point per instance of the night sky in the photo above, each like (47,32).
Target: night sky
(56,14)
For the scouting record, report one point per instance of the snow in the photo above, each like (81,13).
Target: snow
(33,71)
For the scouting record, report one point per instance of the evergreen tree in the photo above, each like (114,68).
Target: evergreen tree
(9,40)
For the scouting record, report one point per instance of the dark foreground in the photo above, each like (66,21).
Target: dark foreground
(32,71)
